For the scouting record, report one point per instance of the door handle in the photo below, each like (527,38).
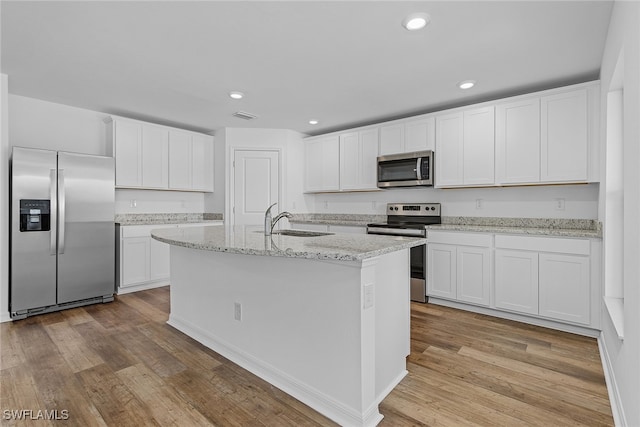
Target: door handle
(419,168)
(53,212)
(62,209)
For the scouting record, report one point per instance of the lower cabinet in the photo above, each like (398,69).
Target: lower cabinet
(142,262)
(551,278)
(459,267)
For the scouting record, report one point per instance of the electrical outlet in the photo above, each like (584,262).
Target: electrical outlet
(559,204)
(369,296)
(237,311)
(479,203)
(374,205)
(326,205)
(133,203)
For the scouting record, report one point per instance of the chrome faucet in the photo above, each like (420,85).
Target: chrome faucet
(269,223)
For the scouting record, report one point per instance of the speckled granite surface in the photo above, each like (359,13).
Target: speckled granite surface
(534,226)
(165,218)
(337,219)
(586,228)
(249,240)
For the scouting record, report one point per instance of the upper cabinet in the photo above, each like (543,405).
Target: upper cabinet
(151,156)
(322,164)
(404,136)
(358,154)
(465,148)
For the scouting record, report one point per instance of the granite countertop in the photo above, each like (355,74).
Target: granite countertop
(531,231)
(249,240)
(166,218)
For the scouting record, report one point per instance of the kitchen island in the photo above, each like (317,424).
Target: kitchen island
(324,318)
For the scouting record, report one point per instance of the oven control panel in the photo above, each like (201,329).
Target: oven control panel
(415,209)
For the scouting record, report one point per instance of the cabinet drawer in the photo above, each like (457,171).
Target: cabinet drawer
(456,238)
(544,244)
(141,230)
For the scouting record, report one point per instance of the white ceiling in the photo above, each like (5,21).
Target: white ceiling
(344,63)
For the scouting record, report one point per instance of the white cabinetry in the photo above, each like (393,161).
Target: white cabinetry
(358,153)
(405,136)
(322,164)
(151,156)
(547,139)
(143,262)
(548,277)
(459,267)
(465,144)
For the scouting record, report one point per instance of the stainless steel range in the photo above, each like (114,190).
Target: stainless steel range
(410,220)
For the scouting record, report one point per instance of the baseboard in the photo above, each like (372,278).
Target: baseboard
(142,287)
(5,316)
(308,395)
(619,418)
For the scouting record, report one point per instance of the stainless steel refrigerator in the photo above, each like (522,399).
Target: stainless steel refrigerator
(62,231)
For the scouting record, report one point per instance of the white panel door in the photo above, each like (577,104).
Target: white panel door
(202,162)
(441,267)
(158,260)
(135,261)
(449,146)
(392,139)
(479,147)
(473,274)
(349,161)
(518,142)
(564,137)
(179,160)
(128,153)
(565,287)
(516,280)
(420,134)
(155,156)
(256,183)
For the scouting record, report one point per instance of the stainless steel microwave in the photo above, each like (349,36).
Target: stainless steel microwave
(406,169)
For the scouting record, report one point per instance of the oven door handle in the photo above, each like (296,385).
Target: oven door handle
(407,232)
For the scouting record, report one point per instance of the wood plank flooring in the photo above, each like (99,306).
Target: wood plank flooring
(119,364)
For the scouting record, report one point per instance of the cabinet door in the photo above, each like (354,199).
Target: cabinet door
(565,288)
(449,146)
(368,170)
(564,137)
(128,153)
(158,260)
(479,147)
(180,156)
(134,261)
(516,280)
(330,164)
(420,135)
(155,157)
(441,268)
(392,139)
(202,162)
(349,161)
(313,165)
(473,275)
(518,142)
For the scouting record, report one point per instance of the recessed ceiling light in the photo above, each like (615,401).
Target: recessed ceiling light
(416,21)
(467,84)
(236,95)
(313,122)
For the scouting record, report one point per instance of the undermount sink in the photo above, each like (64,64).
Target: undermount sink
(301,233)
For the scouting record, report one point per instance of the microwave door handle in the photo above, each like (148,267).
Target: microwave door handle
(418,168)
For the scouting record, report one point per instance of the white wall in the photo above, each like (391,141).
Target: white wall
(41,124)
(580,201)
(622,357)
(4,196)
(290,142)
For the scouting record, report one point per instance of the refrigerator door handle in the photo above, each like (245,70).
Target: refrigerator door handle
(61,210)
(53,209)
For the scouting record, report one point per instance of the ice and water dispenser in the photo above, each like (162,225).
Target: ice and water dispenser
(35,215)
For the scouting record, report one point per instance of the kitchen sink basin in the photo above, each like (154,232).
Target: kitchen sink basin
(301,233)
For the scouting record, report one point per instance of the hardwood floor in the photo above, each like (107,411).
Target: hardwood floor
(119,364)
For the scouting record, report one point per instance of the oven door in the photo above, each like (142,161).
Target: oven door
(406,170)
